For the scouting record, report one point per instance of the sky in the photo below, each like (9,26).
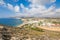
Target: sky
(29,8)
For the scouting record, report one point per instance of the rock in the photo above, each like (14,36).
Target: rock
(10,33)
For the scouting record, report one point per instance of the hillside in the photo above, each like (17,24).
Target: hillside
(27,33)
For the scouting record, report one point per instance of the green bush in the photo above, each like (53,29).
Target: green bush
(37,29)
(56,22)
(40,23)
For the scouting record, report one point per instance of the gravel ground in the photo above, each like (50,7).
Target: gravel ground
(16,33)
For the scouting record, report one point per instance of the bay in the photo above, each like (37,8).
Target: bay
(10,21)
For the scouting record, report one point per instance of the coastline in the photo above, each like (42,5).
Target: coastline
(25,21)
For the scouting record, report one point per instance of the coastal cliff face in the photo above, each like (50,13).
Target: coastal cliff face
(27,33)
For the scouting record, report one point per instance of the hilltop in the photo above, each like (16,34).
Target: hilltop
(27,33)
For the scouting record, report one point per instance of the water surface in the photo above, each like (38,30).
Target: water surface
(10,21)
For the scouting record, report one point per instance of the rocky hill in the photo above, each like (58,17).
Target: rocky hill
(27,33)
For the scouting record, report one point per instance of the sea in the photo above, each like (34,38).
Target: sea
(10,21)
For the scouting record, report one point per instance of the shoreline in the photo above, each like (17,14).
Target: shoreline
(26,22)
(42,27)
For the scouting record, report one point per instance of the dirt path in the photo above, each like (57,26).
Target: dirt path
(50,28)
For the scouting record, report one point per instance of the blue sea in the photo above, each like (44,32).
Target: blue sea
(10,21)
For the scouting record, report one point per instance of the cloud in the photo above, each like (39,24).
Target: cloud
(2,3)
(17,9)
(16,0)
(42,2)
(10,6)
(53,1)
(37,8)
(58,10)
